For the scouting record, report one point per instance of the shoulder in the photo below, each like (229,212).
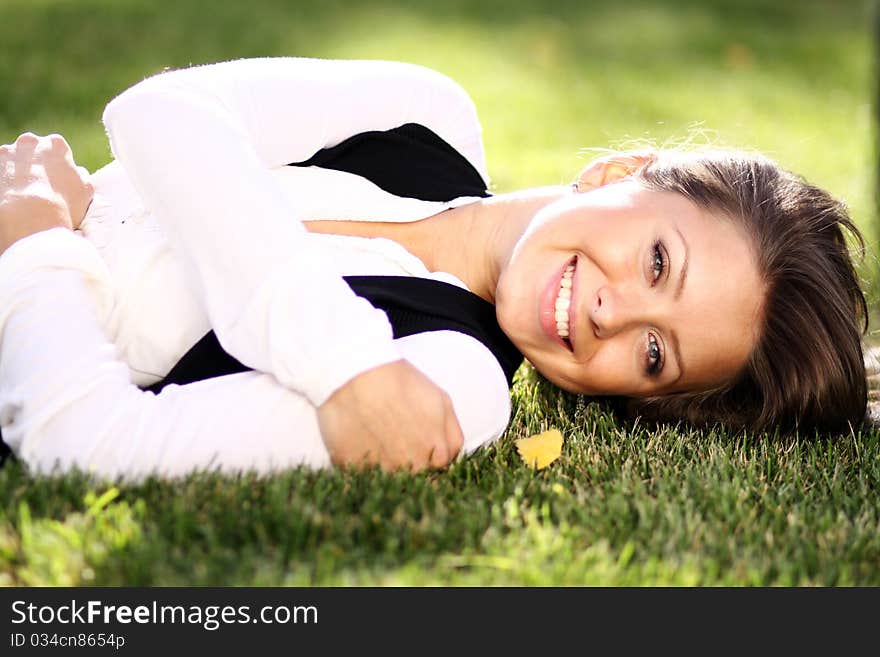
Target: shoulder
(382,75)
(447,108)
(437,101)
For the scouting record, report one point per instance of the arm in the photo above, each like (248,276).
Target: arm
(197,144)
(66,400)
(64,397)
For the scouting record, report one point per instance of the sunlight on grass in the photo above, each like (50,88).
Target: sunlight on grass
(47,552)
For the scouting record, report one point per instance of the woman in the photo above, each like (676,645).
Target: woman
(712,286)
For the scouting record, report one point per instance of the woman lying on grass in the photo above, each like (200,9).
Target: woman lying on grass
(706,286)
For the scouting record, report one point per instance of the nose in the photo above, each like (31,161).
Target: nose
(614,311)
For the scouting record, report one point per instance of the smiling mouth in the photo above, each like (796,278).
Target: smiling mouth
(563,304)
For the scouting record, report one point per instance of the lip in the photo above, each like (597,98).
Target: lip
(573,313)
(548,308)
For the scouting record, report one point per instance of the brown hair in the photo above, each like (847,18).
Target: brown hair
(807,370)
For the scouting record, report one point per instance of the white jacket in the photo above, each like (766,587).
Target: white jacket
(197,226)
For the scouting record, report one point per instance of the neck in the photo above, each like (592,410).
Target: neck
(473,242)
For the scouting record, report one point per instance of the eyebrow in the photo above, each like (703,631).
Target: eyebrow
(676,347)
(684,266)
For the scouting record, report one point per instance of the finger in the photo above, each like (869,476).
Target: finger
(24,147)
(359,460)
(394,463)
(439,456)
(400,451)
(402,455)
(58,143)
(26,141)
(454,434)
(88,185)
(59,147)
(364,460)
(89,188)
(358,453)
(86,180)
(63,174)
(7,153)
(23,155)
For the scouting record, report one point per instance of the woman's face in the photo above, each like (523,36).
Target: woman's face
(664,296)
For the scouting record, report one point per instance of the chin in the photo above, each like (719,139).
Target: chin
(516,331)
(548,374)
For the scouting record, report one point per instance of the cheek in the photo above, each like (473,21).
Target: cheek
(612,370)
(509,300)
(556,232)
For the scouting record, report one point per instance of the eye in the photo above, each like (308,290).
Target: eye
(653,356)
(658,261)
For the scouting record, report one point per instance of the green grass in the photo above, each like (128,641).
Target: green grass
(624,505)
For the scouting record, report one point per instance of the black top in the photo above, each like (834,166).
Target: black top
(413,305)
(410,161)
(414,162)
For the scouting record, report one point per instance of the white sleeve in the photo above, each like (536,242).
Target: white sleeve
(67,401)
(198,144)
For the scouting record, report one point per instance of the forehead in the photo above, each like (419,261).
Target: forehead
(717,316)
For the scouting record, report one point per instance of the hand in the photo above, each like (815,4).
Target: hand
(392,416)
(41,187)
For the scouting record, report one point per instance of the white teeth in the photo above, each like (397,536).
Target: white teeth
(563,302)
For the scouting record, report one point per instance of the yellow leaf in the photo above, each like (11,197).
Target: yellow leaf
(540,450)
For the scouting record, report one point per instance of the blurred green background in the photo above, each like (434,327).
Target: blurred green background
(789,78)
